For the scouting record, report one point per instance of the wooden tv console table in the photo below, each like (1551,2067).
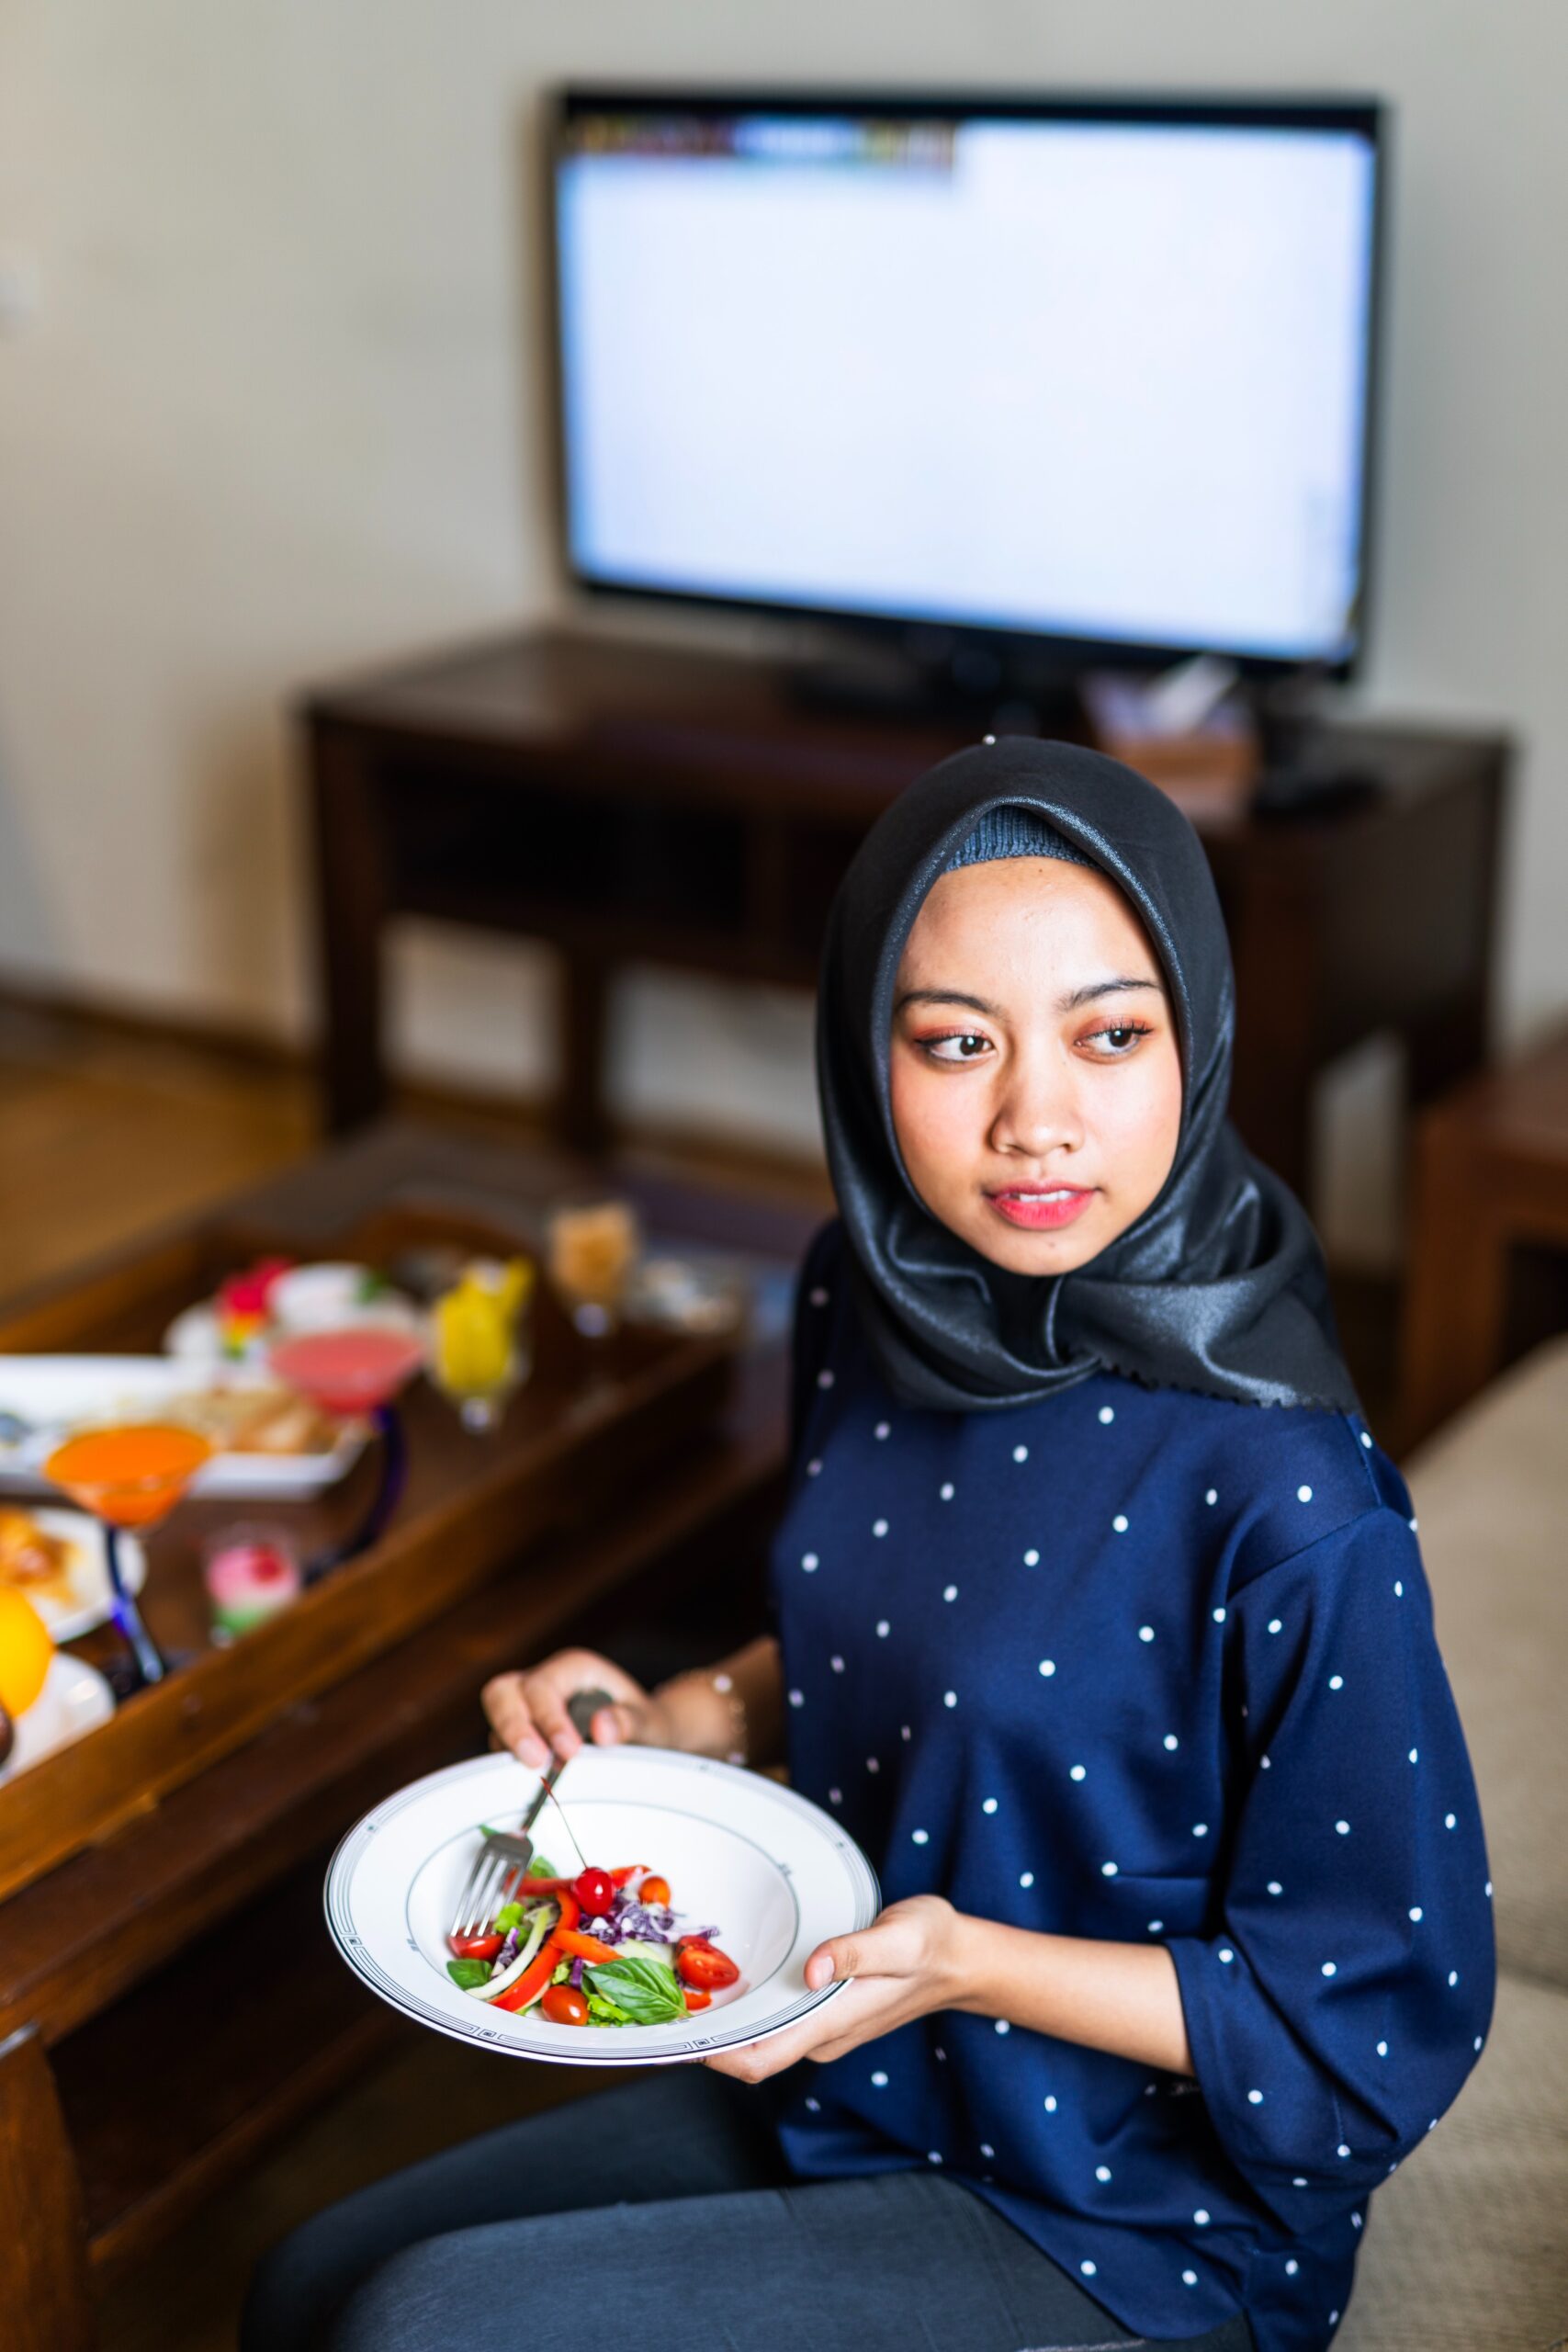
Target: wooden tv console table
(631,803)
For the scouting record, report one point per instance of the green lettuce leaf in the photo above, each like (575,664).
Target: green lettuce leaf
(603,2012)
(647,1991)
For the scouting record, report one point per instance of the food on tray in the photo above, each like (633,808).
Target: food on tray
(251,1572)
(257,1421)
(25,1651)
(604,1948)
(245,1302)
(37,1563)
(681,1296)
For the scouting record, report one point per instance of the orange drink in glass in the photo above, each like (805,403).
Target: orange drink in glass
(129,1474)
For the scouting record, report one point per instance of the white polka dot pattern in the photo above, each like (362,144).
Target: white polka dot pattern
(1181,1635)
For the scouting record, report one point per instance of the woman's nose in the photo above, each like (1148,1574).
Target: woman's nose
(1037,1110)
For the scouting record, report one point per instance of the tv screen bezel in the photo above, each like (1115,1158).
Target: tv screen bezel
(1365,116)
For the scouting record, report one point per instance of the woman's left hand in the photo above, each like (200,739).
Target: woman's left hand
(904,1965)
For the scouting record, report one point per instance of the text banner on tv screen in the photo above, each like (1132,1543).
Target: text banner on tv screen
(1096,379)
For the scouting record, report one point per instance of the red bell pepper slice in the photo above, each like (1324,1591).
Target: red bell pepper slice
(584,1947)
(535,1978)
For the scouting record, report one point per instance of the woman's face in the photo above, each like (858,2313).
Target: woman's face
(1036,1080)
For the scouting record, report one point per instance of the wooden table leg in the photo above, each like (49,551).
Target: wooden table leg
(1275,941)
(1445,1046)
(353,900)
(582,1119)
(43,2241)
(1456,1290)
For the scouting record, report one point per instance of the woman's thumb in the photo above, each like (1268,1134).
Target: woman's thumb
(613,1724)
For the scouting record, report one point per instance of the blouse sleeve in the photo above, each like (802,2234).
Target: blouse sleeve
(1341,2001)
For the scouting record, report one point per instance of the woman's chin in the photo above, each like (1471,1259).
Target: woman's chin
(1021,1251)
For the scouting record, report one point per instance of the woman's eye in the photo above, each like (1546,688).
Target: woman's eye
(1118,1041)
(958,1049)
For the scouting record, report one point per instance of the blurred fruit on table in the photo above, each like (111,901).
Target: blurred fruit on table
(26,1652)
(245,1302)
(251,1572)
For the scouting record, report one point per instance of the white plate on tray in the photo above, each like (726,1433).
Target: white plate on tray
(52,1393)
(82,1598)
(75,1699)
(766,1868)
(308,1298)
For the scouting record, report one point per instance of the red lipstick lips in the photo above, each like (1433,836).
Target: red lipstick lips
(1039,1208)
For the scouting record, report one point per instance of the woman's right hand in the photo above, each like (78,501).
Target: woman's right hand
(527,1709)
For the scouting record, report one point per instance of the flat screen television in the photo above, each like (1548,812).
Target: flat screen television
(1087,373)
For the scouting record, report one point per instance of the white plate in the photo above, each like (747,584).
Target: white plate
(91,1596)
(51,1393)
(75,1699)
(771,1871)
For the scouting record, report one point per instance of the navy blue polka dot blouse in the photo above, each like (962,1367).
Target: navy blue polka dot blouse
(1142,1664)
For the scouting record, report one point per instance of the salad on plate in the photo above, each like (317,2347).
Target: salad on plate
(604,1948)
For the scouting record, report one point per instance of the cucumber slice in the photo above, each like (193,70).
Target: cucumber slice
(543,1918)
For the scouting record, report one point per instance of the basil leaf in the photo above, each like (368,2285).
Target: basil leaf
(467,1974)
(648,1990)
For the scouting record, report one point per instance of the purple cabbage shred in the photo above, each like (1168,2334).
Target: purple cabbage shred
(631,1921)
(576,1976)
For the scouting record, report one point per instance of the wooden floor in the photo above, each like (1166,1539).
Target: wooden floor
(104,1138)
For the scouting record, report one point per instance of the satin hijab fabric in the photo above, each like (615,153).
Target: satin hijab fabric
(1219,1287)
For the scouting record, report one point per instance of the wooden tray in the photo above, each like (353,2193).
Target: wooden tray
(593,1418)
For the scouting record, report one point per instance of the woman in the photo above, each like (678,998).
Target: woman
(1100,1623)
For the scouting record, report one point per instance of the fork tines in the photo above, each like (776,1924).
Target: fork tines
(494,1880)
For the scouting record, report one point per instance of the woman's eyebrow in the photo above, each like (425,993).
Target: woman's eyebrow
(1071,1003)
(945,996)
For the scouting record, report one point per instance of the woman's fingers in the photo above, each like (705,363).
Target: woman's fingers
(529,1712)
(548,1703)
(506,1705)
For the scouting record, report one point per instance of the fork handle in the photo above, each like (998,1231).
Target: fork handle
(583,1705)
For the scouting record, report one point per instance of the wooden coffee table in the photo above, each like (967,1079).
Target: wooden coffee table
(148,2053)
(1489,1233)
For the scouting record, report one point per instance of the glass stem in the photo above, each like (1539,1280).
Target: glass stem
(384,1503)
(126,1615)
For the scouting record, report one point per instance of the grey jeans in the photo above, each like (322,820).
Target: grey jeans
(668,2198)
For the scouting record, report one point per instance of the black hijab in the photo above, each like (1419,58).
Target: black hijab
(1219,1287)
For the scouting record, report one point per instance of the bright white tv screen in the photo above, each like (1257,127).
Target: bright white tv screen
(1101,379)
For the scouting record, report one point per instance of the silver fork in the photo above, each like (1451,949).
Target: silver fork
(501,1862)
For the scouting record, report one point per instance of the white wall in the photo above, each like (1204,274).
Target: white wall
(276,411)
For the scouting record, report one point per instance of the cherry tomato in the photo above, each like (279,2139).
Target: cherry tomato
(594,1888)
(654,1889)
(695,1999)
(706,1966)
(682,1941)
(475,1947)
(564,2005)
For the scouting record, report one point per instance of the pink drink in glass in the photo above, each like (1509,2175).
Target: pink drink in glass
(351,1371)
